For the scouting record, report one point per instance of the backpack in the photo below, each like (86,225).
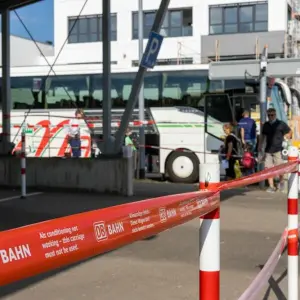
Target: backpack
(239,147)
(247,160)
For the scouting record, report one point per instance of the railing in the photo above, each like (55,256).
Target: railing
(41,247)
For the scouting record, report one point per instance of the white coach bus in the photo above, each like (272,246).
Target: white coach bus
(183,111)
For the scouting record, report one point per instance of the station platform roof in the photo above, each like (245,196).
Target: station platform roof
(14,4)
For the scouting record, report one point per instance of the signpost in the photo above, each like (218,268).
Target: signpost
(152,50)
(148,61)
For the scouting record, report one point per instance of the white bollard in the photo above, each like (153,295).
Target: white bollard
(23,165)
(209,239)
(209,176)
(292,243)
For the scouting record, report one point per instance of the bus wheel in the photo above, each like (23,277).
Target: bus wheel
(183,167)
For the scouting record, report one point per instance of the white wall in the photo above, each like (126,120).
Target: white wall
(24,52)
(124,50)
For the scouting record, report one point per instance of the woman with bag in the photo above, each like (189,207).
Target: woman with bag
(231,161)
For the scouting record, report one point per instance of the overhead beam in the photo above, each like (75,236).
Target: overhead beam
(14,4)
(285,67)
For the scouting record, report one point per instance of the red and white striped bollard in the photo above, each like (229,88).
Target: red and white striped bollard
(23,164)
(292,243)
(209,239)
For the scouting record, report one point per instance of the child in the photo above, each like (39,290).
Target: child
(248,160)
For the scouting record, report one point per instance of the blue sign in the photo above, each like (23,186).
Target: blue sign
(152,50)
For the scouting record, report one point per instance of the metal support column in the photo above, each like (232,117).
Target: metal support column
(139,79)
(6,95)
(106,81)
(142,158)
(263,98)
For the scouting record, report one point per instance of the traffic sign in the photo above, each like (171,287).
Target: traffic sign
(150,55)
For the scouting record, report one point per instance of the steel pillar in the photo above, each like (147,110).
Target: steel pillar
(263,98)
(139,79)
(6,94)
(106,79)
(142,158)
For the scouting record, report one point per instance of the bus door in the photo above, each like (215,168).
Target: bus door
(218,111)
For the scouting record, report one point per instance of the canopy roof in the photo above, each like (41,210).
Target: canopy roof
(13,4)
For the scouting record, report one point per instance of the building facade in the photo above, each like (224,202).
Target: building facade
(195,31)
(33,55)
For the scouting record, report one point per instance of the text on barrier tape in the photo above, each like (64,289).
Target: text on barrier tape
(41,247)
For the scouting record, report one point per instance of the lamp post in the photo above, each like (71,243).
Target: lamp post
(142,172)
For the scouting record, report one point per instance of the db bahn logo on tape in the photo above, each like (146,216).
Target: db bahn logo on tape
(102,231)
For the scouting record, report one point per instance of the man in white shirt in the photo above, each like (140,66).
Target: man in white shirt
(74,133)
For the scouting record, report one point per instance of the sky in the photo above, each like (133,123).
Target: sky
(38,18)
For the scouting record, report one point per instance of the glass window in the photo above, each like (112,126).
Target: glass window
(94,24)
(246,14)
(216,29)
(86,91)
(216,15)
(89,29)
(149,19)
(73,27)
(165,26)
(176,23)
(184,88)
(261,12)
(114,27)
(261,26)
(67,91)
(230,28)
(135,28)
(230,15)
(238,18)
(175,18)
(246,27)
(83,26)
(27,92)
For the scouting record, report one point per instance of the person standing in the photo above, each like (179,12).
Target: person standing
(128,140)
(274,132)
(74,133)
(230,151)
(247,128)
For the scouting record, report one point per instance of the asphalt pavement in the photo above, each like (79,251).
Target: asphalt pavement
(165,267)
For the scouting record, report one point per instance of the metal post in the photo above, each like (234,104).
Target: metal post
(292,242)
(209,240)
(263,99)
(141,96)
(6,95)
(139,79)
(23,164)
(106,81)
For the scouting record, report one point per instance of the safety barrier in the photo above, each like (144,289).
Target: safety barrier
(45,246)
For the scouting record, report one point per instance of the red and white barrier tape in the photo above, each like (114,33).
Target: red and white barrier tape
(52,244)
(96,232)
(261,280)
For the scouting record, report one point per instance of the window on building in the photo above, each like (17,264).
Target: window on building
(88,29)
(239,18)
(176,23)
(169,62)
